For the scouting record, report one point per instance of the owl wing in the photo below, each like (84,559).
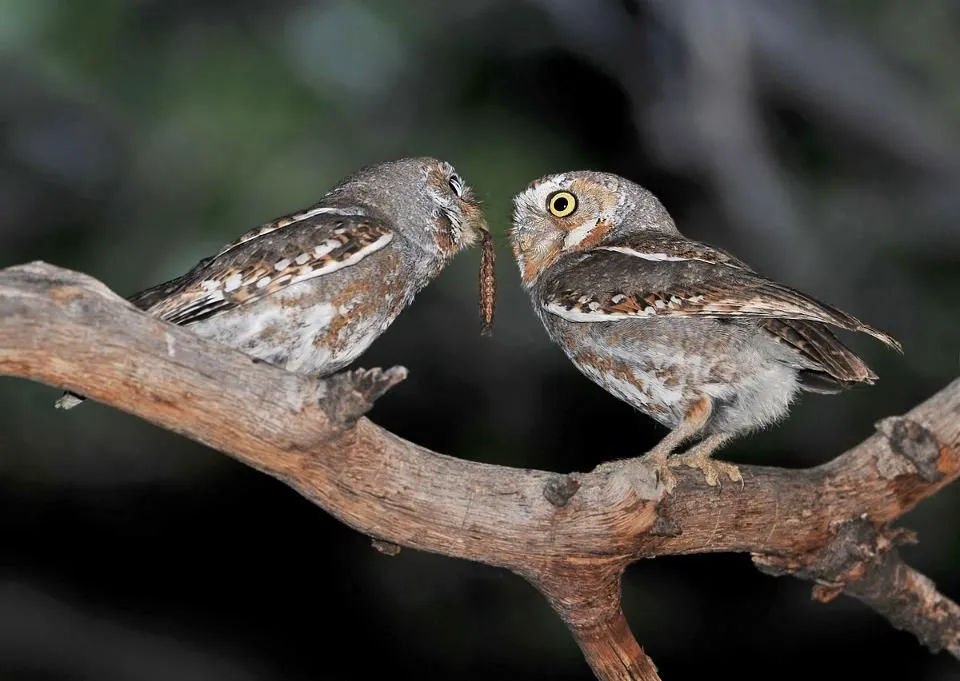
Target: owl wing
(265,263)
(284,220)
(820,348)
(666,276)
(262,261)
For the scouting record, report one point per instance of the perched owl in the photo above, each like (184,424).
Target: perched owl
(310,291)
(683,332)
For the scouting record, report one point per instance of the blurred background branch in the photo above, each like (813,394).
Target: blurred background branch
(140,135)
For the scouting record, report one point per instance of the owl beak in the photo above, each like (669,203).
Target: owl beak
(474,222)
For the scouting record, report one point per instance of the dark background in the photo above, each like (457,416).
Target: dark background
(820,141)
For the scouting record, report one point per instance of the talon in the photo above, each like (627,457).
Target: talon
(667,478)
(737,477)
(712,470)
(731,472)
(661,468)
(710,475)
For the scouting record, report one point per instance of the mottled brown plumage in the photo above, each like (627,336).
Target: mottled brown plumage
(259,267)
(683,331)
(310,291)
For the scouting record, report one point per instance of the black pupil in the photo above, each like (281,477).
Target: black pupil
(560,203)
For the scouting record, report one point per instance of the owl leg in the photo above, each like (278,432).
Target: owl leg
(698,457)
(693,422)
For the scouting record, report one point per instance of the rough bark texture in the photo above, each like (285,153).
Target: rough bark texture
(570,535)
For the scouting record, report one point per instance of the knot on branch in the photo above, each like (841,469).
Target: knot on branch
(857,552)
(351,394)
(915,443)
(39,278)
(666,525)
(385,547)
(560,489)
(862,561)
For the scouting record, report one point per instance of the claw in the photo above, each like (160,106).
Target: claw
(666,477)
(711,468)
(661,467)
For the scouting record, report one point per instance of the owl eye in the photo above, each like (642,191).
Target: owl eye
(456,184)
(561,204)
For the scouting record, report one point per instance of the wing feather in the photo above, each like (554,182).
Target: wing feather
(263,261)
(666,276)
(265,264)
(818,347)
(270,263)
(285,220)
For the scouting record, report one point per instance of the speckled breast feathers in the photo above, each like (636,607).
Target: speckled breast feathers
(667,323)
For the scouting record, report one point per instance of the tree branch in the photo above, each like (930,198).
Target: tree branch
(569,535)
(863,562)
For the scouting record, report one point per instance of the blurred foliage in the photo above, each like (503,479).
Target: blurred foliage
(820,141)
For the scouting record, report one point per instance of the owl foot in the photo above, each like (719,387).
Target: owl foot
(661,466)
(712,469)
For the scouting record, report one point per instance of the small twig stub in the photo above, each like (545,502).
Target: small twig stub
(385,547)
(914,442)
(560,489)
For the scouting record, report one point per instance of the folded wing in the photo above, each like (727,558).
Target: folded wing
(263,261)
(665,276)
(258,267)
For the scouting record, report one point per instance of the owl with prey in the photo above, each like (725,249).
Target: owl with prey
(310,291)
(681,331)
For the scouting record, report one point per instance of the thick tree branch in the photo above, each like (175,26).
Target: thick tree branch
(569,535)
(863,562)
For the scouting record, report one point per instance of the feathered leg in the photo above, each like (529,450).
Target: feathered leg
(693,422)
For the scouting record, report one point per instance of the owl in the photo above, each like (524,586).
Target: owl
(685,333)
(310,291)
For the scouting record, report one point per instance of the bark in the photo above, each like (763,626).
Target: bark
(570,535)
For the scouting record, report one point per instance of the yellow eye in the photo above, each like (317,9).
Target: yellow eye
(561,204)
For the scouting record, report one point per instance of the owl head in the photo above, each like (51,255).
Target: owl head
(429,203)
(574,211)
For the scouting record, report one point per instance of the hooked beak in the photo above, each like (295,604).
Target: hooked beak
(474,225)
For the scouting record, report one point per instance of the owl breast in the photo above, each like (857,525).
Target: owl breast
(314,327)
(662,367)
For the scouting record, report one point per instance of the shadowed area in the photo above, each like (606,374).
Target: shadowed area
(816,141)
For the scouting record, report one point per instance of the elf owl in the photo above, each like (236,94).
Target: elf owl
(310,291)
(681,331)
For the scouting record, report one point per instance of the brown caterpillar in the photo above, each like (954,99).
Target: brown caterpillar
(488,284)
